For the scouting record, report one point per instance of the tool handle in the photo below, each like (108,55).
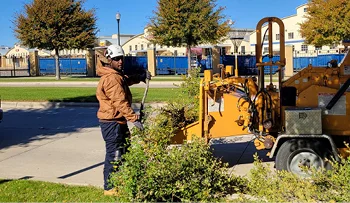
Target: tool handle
(143,99)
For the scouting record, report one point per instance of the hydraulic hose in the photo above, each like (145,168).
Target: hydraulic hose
(254,110)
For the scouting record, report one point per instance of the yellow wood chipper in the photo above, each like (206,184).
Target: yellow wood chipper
(301,121)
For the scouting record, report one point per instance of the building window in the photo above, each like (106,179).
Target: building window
(291,35)
(135,47)
(207,52)
(148,45)
(333,46)
(305,10)
(304,47)
(318,47)
(266,49)
(223,51)
(130,48)
(266,38)
(141,46)
(243,49)
(277,36)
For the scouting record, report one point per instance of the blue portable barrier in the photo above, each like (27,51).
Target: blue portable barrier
(317,61)
(47,66)
(170,65)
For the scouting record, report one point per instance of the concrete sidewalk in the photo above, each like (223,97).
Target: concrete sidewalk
(74,158)
(64,145)
(77,158)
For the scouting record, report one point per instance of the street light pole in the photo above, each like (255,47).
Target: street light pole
(236,59)
(236,37)
(117,16)
(234,43)
(235,47)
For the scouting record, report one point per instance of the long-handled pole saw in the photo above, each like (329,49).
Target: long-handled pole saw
(143,99)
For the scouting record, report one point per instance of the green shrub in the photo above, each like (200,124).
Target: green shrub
(186,173)
(278,186)
(334,185)
(188,99)
(281,186)
(153,170)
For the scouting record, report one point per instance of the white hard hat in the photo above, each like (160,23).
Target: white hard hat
(114,51)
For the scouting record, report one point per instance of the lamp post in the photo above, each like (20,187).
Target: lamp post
(236,37)
(117,16)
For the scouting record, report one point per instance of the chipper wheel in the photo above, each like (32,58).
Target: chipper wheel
(295,154)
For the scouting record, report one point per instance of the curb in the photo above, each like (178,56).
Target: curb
(46,105)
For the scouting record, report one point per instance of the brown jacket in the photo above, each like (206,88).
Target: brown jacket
(114,96)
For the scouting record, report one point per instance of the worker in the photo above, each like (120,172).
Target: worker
(115,110)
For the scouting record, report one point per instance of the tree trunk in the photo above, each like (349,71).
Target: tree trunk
(189,59)
(57,59)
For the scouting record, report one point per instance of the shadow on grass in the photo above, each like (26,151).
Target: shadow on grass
(5,181)
(9,180)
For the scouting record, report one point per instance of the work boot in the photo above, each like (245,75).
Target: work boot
(111,192)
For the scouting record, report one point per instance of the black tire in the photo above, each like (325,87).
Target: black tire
(306,152)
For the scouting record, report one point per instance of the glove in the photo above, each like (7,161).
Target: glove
(138,125)
(145,75)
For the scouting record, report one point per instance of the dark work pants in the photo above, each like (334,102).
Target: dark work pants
(114,135)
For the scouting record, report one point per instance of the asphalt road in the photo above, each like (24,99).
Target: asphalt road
(65,145)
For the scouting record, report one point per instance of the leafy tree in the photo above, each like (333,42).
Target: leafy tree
(56,25)
(187,23)
(328,22)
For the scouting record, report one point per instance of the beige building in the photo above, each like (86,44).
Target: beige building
(108,40)
(18,52)
(292,36)
(138,45)
(21,52)
(68,53)
(16,57)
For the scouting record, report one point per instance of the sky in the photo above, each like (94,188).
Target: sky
(135,14)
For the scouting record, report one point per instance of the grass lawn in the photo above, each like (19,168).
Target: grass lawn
(37,191)
(158,78)
(78,79)
(78,94)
